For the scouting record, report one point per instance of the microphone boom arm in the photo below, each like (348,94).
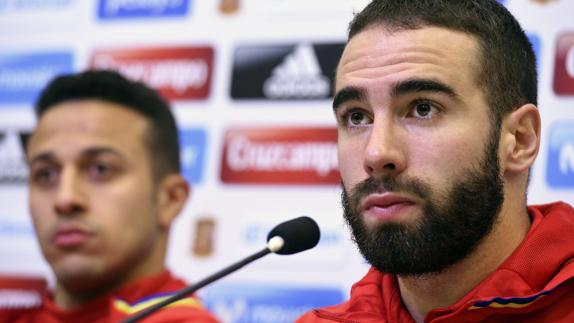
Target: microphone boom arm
(287,238)
(190,289)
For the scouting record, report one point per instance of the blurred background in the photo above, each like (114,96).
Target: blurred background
(250,84)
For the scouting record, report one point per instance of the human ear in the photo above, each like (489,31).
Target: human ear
(520,139)
(173,193)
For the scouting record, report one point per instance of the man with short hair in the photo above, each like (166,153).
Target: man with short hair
(104,189)
(438,127)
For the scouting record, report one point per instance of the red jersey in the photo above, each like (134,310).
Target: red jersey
(535,284)
(118,305)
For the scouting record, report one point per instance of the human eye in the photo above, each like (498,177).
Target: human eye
(355,118)
(100,171)
(44,175)
(423,109)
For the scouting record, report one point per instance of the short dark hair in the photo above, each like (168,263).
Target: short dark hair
(508,63)
(109,86)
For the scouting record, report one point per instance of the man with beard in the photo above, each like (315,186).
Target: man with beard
(438,127)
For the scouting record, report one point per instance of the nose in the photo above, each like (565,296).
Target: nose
(70,198)
(385,150)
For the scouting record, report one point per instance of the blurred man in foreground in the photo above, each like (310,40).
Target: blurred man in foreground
(438,129)
(104,189)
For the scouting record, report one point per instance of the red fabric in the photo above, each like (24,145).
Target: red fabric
(535,284)
(118,305)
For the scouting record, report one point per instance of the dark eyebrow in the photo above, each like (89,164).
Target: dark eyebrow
(422,85)
(95,151)
(47,156)
(90,153)
(348,94)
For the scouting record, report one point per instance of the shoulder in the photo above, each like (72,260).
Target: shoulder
(553,209)
(309,317)
(325,314)
(19,314)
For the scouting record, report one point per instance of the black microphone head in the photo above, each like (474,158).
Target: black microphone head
(299,234)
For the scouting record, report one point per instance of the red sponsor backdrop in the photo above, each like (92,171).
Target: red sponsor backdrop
(22,283)
(280,156)
(179,73)
(564,65)
(21,291)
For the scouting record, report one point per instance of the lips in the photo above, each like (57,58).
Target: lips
(386,207)
(70,236)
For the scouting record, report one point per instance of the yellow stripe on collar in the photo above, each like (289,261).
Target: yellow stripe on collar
(518,303)
(124,307)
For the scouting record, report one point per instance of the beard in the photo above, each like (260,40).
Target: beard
(452,223)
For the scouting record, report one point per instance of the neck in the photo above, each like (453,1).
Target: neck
(73,298)
(421,294)
(79,288)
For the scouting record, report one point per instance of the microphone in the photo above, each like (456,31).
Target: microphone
(302,232)
(287,238)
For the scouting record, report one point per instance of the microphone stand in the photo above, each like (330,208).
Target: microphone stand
(190,289)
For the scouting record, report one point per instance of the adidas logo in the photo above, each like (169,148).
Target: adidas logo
(299,76)
(12,159)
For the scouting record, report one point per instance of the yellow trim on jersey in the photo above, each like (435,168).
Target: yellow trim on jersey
(496,304)
(124,307)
